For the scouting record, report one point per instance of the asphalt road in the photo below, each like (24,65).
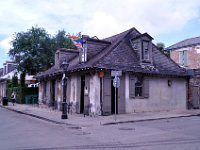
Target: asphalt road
(21,132)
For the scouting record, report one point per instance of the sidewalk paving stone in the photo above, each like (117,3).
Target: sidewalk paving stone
(79,120)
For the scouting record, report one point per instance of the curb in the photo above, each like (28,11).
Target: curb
(35,116)
(103,124)
(152,119)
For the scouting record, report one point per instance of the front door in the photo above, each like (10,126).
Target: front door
(108,103)
(195,97)
(82,95)
(52,102)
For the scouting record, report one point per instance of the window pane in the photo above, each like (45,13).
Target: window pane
(138,91)
(138,87)
(145,50)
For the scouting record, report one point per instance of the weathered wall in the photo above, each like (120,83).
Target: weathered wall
(44,96)
(161,96)
(73,97)
(2,89)
(94,94)
(58,93)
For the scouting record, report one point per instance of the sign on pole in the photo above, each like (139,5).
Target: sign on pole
(116,73)
(116,82)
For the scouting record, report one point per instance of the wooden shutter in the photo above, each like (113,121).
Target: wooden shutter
(181,57)
(146,88)
(68,89)
(131,86)
(106,105)
(185,58)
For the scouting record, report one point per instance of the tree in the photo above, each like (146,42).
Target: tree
(15,80)
(35,49)
(161,46)
(26,45)
(61,41)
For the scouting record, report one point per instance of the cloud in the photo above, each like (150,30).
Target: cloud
(5,44)
(152,16)
(97,17)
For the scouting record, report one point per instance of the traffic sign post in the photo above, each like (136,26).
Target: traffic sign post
(116,84)
(116,73)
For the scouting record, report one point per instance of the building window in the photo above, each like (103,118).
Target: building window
(138,87)
(183,58)
(145,50)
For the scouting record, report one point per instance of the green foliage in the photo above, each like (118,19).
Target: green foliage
(35,49)
(21,92)
(15,80)
(22,79)
(161,46)
(8,84)
(62,42)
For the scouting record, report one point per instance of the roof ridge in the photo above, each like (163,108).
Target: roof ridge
(112,46)
(118,33)
(187,39)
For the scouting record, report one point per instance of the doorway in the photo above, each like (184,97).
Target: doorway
(82,94)
(113,98)
(52,103)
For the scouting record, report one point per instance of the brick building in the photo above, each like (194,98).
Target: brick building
(186,53)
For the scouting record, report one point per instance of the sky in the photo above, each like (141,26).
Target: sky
(167,21)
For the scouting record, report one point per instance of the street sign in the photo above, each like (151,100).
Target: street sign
(116,73)
(116,82)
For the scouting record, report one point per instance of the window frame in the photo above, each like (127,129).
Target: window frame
(143,51)
(144,85)
(183,57)
(140,86)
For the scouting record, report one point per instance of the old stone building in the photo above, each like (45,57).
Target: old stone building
(186,53)
(150,81)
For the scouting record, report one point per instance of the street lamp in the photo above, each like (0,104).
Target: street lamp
(64,66)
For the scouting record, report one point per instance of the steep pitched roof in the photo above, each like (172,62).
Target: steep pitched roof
(116,53)
(185,43)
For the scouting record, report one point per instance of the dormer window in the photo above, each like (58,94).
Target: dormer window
(145,50)
(142,45)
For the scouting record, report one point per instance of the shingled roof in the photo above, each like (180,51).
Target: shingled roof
(116,53)
(185,43)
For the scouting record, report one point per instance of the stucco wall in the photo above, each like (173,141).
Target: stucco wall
(58,93)
(161,96)
(44,98)
(94,94)
(73,93)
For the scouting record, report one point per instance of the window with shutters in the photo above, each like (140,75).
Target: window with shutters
(145,50)
(183,59)
(138,87)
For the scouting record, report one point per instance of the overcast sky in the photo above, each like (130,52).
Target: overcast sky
(167,21)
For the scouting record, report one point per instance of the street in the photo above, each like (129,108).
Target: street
(21,132)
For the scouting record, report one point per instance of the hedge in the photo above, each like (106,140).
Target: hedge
(21,92)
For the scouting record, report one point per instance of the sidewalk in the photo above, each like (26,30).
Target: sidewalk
(79,120)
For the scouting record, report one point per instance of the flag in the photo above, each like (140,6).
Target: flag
(76,39)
